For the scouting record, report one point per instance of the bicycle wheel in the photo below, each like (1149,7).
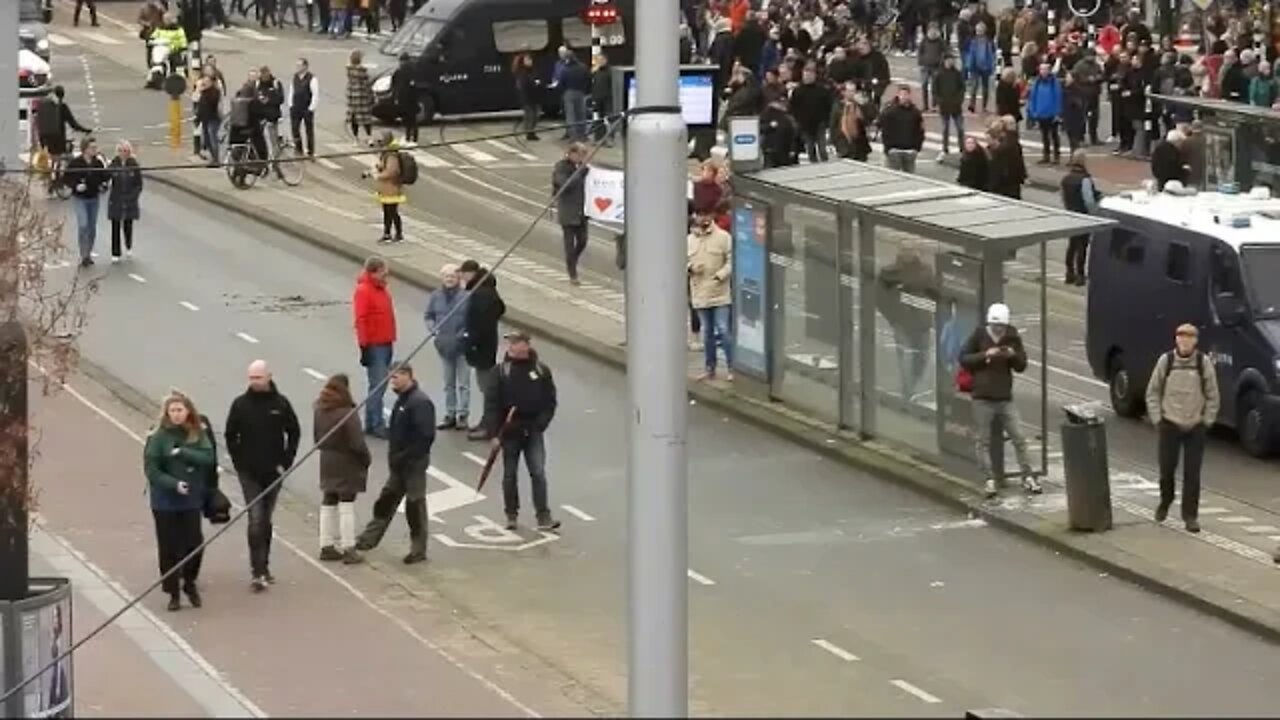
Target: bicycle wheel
(289,165)
(61,189)
(240,166)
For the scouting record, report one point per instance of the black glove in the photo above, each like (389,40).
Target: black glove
(364,356)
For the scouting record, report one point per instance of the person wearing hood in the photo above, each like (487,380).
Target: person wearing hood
(484,311)
(446,317)
(375,322)
(520,409)
(973,165)
(344,469)
(1262,88)
(991,355)
(262,435)
(180,463)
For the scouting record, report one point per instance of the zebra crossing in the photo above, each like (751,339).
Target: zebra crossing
(454,155)
(72,37)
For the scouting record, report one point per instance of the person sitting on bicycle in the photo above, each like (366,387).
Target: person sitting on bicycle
(53,117)
(269,98)
(242,126)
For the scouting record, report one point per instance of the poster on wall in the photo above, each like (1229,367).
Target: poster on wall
(46,635)
(750,262)
(604,195)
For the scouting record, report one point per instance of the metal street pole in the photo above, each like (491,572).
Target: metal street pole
(9,145)
(657,508)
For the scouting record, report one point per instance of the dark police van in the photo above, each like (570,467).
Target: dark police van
(462,51)
(1211,260)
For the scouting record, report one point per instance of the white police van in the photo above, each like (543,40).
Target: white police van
(1209,259)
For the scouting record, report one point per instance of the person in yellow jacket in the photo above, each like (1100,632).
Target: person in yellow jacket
(710,270)
(168,44)
(389,189)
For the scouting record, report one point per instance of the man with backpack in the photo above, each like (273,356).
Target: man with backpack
(521,407)
(1182,402)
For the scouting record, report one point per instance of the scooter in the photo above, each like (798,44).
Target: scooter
(163,64)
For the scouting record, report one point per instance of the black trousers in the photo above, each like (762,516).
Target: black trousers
(300,120)
(117,226)
(1093,113)
(332,499)
(1127,132)
(391,221)
(1174,441)
(410,485)
(259,527)
(1049,138)
(93,11)
(1077,254)
(575,243)
(178,532)
(409,115)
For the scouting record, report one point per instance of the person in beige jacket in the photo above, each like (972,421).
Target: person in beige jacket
(1182,402)
(710,269)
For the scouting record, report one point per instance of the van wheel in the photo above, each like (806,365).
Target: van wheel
(1125,398)
(1257,438)
(426,110)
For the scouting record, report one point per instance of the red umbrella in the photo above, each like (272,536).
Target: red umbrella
(493,450)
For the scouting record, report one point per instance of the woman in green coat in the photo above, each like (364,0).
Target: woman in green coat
(180,463)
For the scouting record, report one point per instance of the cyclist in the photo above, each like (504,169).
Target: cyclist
(53,117)
(267,111)
(243,126)
(168,45)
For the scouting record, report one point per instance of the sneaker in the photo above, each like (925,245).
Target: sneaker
(384,240)
(128,254)
(942,156)
(414,558)
(1031,485)
(547,524)
(351,556)
(115,259)
(447,424)
(1162,512)
(989,488)
(271,579)
(329,553)
(512,523)
(461,423)
(258,584)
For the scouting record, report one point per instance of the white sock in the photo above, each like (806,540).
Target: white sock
(347,524)
(328,526)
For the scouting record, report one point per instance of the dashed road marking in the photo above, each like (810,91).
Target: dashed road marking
(474,155)
(307,200)
(907,687)
(1262,529)
(429,160)
(137,278)
(254,34)
(579,514)
(100,38)
(836,650)
(60,40)
(190,306)
(1214,511)
(315,373)
(699,577)
(215,35)
(512,149)
(327,163)
(247,338)
(1236,519)
(474,458)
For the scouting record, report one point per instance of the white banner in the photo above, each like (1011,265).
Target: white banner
(605,199)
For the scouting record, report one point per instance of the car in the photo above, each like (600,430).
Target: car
(33,71)
(32,34)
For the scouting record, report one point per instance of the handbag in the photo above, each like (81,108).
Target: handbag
(217,508)
(964,380)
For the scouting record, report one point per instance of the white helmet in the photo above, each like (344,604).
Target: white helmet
(998,314)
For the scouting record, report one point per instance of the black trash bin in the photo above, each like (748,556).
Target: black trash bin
(1084,459)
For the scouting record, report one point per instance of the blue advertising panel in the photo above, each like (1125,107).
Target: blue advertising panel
(750,263)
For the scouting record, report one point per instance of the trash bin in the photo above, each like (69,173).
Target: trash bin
(1084,459)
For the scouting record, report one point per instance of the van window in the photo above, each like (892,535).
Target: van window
(577,34)
(1225,274)
(459,46)
(413,37)
(1178,264)
(514,36)
(1128,246)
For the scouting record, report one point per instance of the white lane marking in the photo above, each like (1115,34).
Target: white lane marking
(474,458)
(60,41)
(247,338)
(315,374)
(579,514)
(1213,511)
(1262,529)
(512,149)
(305,556)
(137,278)
(215,35)
(327,163)
(1274,538)
(1236,519)
(474,155)
(836,650)
(429,160)
(254,34)
(907,687)
(306,200)
(699,577)
(100,38)
(190,306)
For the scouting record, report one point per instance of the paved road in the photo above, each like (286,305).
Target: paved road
(923,598)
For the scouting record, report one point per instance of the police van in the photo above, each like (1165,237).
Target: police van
(1210,259)
(462,51)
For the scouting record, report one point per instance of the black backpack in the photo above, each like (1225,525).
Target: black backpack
(49,120)
(408,168)
(1168,368)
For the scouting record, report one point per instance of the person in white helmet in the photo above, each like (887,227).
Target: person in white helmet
(992,354)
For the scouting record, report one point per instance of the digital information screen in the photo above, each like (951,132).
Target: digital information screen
(697,98)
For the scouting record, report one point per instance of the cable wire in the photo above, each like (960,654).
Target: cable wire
(375,391)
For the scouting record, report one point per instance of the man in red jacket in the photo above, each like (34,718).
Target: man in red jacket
(375,316)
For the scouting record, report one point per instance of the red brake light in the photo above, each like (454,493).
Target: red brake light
(601,15)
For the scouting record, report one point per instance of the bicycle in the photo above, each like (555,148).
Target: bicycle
(55,184)
(244,167)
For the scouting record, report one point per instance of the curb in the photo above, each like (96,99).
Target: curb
(866,455)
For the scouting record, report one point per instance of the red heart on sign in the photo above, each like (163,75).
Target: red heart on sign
(603,203)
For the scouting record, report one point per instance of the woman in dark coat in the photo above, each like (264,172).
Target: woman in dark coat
(529,90)
(344,469)
(122,203)
(973,165)
(1005,171)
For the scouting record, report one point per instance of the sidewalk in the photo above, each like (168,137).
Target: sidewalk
(1224,570)
(1113,173)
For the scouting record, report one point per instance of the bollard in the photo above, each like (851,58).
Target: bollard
(175,86)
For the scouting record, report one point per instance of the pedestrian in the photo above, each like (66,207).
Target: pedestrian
(930,55)
(602,101)
(902,132)
(340,14)
(810,105)
(413,432)
(905,284)
(404,89)
(569,188)
(93,12)
(262,436)
(1079,194)
(979,64)
(710,265)
(1075,112)
(1044,108)
(484,310)
(1088,78)
(1008,96)
(87,176)
(389,187)
(1262,88)
(948,93)
(529,91)
(180,463)
(992,354)
(575,84)
(1167,163)
(396,10)
(344,469)
(1133,102)
(122,202)
(289,6)
(208,110)
(974,166)
(446,317)
(1182,402)
(523,406)
(375,321)
(303,96)
(779,133)
(849,126)
(359,97)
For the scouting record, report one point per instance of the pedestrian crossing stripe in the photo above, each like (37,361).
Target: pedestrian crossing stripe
(474,155)
(215,35)
(513,150)
(60,40)
(429,160)
(100,38)
(254,34)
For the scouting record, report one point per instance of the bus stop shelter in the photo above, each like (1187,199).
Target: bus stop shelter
(1241,142)
(855,287)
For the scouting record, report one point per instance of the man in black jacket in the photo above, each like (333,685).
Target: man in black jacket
(404,89)
(262,437)
(811,105)
(902,132)
(948,93)
(778,133)
(484,311)
(412,433)
(521,408)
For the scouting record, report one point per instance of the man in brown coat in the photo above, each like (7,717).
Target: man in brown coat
(710,269)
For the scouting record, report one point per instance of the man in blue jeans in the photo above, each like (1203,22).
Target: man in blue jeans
(375,320)
(87,176)
(521,407)
(710,266)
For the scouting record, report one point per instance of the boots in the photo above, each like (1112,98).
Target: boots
(329,533)
(347,533)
